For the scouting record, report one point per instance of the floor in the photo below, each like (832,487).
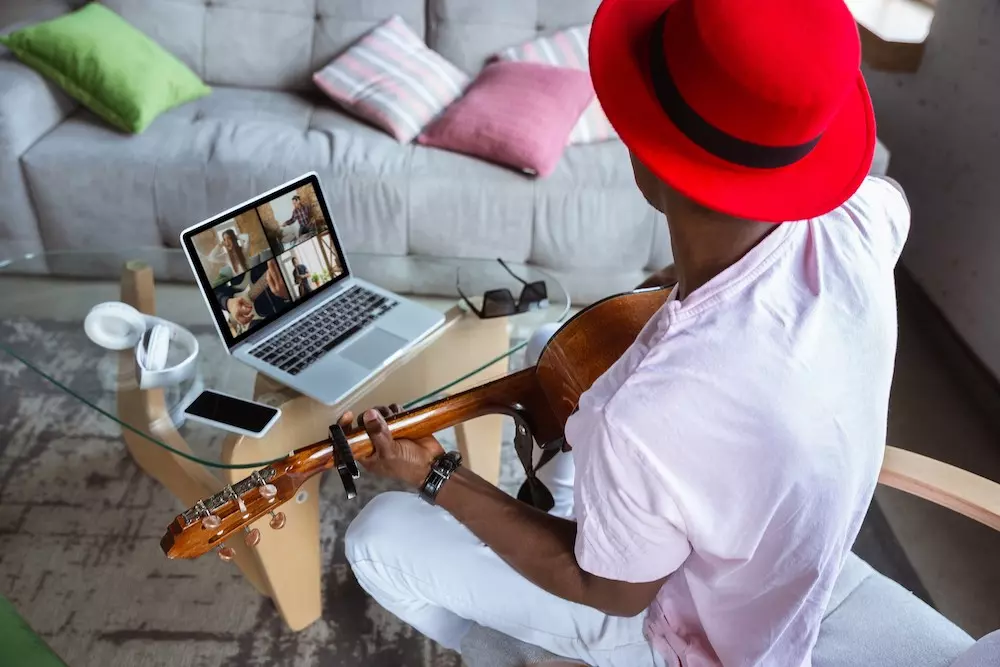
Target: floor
(931,413)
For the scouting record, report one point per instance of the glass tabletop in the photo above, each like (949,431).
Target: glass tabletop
(45,298)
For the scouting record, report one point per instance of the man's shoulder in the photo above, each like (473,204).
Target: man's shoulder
(880,213)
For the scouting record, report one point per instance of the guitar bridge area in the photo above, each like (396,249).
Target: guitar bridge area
(194,514)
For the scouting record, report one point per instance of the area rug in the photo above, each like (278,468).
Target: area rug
(80,558)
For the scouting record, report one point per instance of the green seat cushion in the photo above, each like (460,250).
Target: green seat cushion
(19,645)
(110,67)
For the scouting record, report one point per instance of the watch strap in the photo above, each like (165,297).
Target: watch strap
(441,470)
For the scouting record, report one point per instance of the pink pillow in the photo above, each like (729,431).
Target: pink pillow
(516,114)
(567,48)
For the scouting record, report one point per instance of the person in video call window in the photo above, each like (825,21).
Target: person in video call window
(272,299)
(234,248)
(301,273)
(301,215)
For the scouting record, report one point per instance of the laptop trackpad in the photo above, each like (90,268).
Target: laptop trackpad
(371,350)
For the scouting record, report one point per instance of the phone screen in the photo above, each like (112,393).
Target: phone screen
(233,411)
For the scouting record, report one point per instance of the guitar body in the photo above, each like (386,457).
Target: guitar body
(588,345)
(541,397)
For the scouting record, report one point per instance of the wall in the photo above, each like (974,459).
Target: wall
(942,125)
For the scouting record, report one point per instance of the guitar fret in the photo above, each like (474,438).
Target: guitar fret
(220,499)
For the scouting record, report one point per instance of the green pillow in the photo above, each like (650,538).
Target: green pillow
(113,69)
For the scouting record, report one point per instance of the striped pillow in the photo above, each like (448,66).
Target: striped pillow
(391,79)
(567,48)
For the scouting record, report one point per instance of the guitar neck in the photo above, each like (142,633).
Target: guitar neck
(509,395)
(257,287)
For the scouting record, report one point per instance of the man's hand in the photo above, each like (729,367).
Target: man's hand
(274,281)
(241,309)
(405,460)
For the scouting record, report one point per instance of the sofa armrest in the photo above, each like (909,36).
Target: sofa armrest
(959,490)
(30,107)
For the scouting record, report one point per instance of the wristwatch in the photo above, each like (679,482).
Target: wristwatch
(441,469)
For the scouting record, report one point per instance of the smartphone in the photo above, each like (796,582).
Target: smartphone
(232,414)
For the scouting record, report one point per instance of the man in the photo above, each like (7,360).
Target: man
(300,215)
(260,294)
(724,464)
(301,277)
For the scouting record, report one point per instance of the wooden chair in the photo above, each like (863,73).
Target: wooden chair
(871,620)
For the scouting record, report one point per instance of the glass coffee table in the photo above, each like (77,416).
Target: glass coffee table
(44,299)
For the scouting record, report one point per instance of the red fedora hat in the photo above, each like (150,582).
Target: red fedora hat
(753,109)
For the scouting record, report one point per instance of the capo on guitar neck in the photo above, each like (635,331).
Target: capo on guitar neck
(347,466)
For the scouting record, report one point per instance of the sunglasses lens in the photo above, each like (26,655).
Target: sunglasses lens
(534,292)
(497,303)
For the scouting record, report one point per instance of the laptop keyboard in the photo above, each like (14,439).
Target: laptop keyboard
(295,348)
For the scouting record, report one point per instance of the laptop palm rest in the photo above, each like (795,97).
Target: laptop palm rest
(372,349)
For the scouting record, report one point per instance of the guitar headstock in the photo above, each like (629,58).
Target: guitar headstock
(213,520)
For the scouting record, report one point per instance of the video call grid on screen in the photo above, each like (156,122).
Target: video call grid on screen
(268,257)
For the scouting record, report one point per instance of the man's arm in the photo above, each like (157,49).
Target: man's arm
(538,545)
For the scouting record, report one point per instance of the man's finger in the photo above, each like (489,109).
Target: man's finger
(394,408)
(346,418)
(377,430)
(385,411)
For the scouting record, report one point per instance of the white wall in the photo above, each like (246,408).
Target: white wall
(942,126)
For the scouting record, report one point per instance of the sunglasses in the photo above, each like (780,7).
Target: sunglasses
(500,302)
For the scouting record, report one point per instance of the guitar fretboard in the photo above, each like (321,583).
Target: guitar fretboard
(259,286)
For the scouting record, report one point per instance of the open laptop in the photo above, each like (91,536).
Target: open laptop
(284,300)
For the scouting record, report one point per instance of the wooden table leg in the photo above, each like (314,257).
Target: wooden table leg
(289,558)
(146,412)
(480,440)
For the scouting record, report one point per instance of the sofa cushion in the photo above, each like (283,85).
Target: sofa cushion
(590,207)
(462,206)
(91,184)
(872,620)
(468,32)
(983,654)
(226,41)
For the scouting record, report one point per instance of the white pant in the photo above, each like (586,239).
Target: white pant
(422,565)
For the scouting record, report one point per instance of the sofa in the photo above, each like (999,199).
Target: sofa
(69,181)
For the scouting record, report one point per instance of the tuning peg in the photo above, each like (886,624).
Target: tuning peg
(226,554)
(252,537)
(277,520)
(268,491)
(211,522)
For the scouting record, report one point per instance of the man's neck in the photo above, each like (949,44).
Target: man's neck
(706,243)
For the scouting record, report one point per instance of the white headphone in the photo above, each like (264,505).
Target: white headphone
(118,326)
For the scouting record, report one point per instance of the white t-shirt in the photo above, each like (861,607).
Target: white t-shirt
(737,443)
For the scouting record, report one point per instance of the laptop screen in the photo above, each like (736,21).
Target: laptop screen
(266,257)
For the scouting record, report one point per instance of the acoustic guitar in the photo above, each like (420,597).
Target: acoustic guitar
(249,294)
(540,399)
